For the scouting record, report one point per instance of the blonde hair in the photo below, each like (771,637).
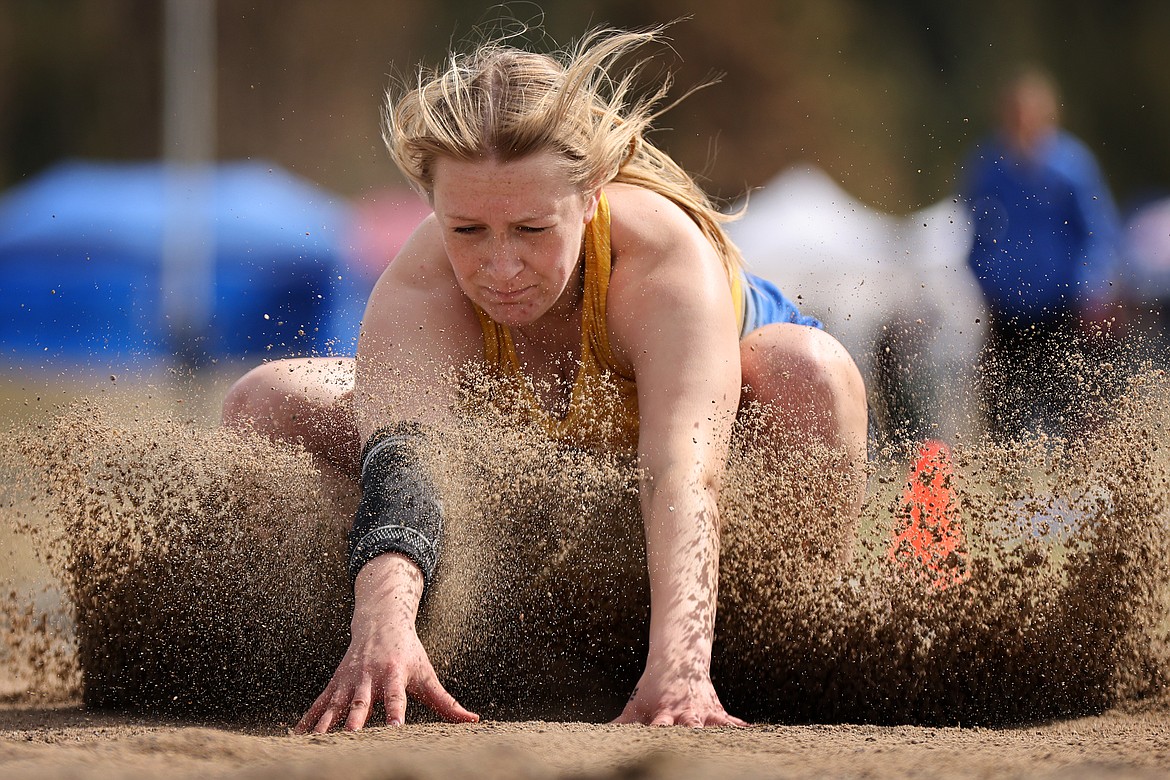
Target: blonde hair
(504,103)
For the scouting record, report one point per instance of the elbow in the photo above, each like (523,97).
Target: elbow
(698,485)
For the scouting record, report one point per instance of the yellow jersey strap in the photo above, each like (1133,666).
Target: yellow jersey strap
(738,297)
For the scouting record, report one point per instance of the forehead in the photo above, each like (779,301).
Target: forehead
(537,183)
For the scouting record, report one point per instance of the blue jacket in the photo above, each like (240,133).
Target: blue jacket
(1046,230)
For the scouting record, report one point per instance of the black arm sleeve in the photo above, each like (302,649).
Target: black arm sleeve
(399,509)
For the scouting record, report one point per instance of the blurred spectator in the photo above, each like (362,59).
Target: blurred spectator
(905,401)
(1045,233)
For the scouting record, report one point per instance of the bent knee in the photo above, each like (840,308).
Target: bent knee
(808,377)
(307,401)
(282,387)
(250,397)
(783,359)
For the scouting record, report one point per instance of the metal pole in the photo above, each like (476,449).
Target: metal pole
(187,274)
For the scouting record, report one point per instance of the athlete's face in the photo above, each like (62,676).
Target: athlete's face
(512,231)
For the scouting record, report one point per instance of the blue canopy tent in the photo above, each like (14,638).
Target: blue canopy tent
(81,255)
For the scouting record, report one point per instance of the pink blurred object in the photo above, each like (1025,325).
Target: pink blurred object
(382,222)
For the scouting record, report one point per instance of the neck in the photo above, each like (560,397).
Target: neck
(564,315)
(1029,144)
(566,312)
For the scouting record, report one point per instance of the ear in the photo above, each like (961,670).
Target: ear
(592,198)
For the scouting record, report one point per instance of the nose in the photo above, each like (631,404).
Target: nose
(503,262)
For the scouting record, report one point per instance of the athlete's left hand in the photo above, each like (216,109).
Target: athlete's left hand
(673,696)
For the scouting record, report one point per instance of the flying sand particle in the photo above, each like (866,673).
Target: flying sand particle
(204,573)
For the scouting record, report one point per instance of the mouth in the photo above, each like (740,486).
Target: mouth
(506,296)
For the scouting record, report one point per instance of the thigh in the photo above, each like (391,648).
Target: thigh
(308,401)
(811,383)
(817,426)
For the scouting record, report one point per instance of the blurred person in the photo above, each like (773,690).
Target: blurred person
(906,401)
(1044,251)
(558,229)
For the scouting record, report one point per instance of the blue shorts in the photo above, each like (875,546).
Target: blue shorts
(764,304)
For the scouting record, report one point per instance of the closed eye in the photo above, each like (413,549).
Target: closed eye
(466,229)
(530,229)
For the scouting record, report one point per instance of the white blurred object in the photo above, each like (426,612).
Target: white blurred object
(1147,275)
(858,269)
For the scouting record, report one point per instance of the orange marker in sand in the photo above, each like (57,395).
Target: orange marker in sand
(928,536)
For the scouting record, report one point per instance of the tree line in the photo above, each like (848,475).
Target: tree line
(886,96)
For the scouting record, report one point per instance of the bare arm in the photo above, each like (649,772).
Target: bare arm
(417,327)
(414,330)
(681,339)
(385,661)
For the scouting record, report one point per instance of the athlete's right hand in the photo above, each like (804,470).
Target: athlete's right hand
(385,661)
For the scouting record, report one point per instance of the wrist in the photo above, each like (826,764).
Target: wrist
(680,656)
(390,585)
(399,510)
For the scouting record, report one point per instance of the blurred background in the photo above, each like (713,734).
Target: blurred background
(843,122)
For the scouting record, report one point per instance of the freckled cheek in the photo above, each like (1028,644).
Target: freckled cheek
(551,257)
(466,265)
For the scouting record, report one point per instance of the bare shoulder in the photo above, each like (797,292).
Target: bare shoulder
(647,224)
(420,272)
(666,274)
(655,243)
(418,330)
(421,263)
(417,297)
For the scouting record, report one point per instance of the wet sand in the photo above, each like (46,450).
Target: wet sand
(1048,654)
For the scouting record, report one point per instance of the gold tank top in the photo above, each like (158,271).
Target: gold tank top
(603,402)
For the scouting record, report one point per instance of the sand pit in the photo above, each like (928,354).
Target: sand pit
(41,743)
(203,597)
